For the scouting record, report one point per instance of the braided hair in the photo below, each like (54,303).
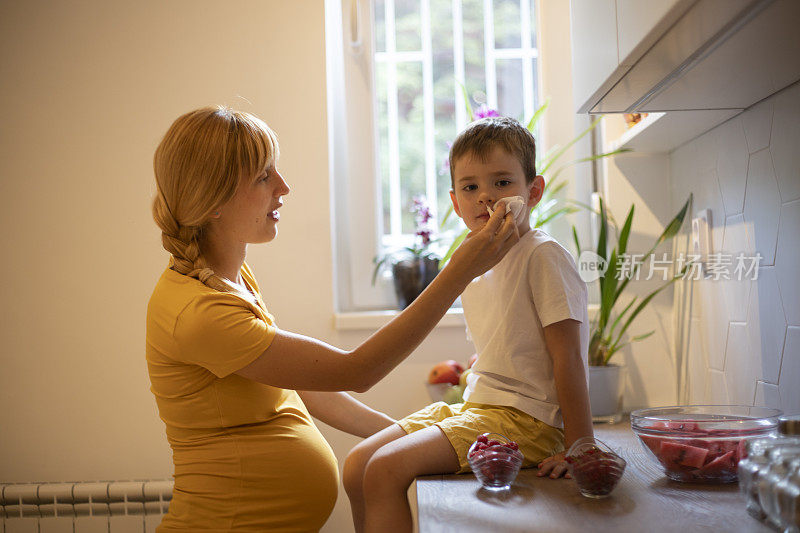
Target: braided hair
(198,166)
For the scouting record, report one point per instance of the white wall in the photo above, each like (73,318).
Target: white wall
(88,89)
(744,336)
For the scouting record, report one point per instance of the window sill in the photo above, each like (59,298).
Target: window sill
(374,320)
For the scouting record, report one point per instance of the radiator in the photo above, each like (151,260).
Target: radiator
(84,507)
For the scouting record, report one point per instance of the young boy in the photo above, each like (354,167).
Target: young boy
(528,320)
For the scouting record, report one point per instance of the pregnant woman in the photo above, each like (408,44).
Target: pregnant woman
(235,392)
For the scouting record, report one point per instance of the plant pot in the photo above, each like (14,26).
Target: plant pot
(411,276)
(605,393)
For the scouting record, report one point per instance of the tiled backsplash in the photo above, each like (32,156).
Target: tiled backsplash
(744,336)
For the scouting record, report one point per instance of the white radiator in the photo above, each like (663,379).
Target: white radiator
(84,507)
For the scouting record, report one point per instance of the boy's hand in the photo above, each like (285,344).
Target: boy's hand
(483,249)
(556,466)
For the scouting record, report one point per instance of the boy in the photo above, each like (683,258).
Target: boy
(528,320)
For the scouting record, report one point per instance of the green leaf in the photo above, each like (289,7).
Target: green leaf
(558,154)
(450,211)
(607,290)
(619,317)
(673,227)
(642,305)
(537,115)
(602,248)
(622,243)
(642,337)
(456,243)
(577,242)
(554,215)
(466,101)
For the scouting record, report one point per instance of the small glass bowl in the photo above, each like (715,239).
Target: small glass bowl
(702,443)
(594,467)
(497,465)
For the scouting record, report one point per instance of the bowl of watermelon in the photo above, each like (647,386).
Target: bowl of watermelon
(701,443)
(495,460)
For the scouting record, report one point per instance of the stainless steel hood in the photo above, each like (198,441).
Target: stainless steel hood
(717,54)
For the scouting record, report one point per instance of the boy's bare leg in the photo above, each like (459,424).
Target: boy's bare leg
(356,463)
(391,470)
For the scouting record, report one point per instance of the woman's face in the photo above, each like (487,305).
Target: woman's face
(251,216)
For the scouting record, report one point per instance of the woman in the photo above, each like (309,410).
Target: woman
(235,392)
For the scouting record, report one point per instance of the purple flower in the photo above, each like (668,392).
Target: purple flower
(484,112)
(426,236)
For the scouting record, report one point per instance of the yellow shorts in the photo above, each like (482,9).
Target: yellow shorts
(463,422)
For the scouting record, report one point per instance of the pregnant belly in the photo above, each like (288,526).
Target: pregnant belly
(284,479)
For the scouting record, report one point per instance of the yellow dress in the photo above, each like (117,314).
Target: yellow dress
(247,456)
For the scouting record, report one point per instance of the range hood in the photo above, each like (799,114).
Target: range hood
(707,55)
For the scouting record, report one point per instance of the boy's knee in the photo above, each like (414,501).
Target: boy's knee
(383,471)
(353,469)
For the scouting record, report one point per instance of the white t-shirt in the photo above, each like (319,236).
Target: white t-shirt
(536,284)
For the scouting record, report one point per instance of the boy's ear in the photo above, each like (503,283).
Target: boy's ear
(536,191)
(455,203)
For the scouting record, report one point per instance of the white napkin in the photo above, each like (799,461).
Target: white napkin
(514,205)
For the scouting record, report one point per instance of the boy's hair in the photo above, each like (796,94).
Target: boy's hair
(481,136)
(199,164)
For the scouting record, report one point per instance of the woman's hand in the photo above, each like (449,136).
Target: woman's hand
(556,466)
(481,250)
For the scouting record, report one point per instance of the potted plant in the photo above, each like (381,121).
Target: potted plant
(609,327)
(413,267)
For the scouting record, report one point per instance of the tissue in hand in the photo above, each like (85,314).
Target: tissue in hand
(514,205)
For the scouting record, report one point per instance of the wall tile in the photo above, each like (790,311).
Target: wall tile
(697,365)
(757,122)
(790,373)
(767,395)
(785,142)
(706,150)
(766,324)
(762,205)
(736,242)
(708,196)
(717,390)
(787,261)
(713,321)
(741,366)
(732,164)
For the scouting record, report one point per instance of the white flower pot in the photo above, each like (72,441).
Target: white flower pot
(605,393)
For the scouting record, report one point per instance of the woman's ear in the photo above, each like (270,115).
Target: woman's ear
(536,191)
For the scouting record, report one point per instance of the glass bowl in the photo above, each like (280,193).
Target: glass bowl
(594,467)
(701,443)
(495,462)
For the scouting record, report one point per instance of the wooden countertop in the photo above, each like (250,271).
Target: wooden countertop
(644,500)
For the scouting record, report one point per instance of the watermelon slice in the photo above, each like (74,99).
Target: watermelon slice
(674,454)
(722,465)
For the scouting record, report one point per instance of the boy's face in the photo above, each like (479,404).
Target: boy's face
(481,183)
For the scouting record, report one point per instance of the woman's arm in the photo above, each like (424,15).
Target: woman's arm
(297,362)
(343,412)
(563,343)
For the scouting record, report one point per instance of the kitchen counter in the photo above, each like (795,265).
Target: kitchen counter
(644,500)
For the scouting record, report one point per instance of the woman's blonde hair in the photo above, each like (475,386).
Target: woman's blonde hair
(198,166)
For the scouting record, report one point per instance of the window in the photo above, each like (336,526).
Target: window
(398,72)
(427,55)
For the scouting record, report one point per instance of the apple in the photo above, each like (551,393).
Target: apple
(454,394)
(462,380)
(472,359)
(446,372)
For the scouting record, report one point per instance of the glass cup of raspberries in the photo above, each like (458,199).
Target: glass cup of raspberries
(594,467)
(495,461)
